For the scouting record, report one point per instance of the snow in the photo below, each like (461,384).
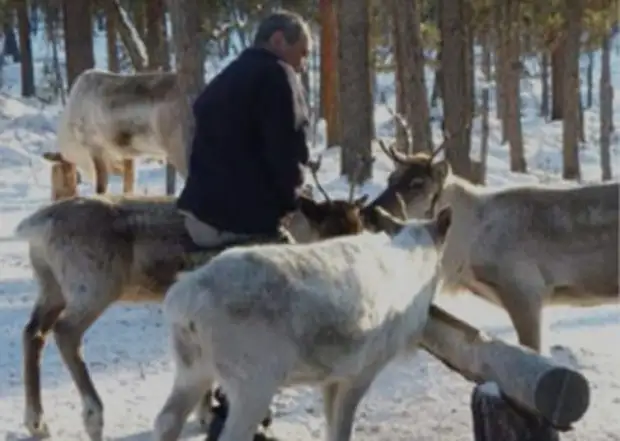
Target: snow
(415,398)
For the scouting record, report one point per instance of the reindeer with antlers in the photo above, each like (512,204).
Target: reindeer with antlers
(521,248)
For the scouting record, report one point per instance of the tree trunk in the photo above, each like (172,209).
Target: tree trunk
(557,79)
(572,117)
(188,41)
(411,59)
(330,103)
(438,83)
(10,40)
(606,98)
(354,82)
(27,70)
(456,105)
(402,137)
(485,129)
(512,118)
(544,79)
(498,12)
(590,79)
(78,27)
(155,35)
(129,36)
(111,46)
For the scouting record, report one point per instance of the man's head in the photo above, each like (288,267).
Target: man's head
(287,35)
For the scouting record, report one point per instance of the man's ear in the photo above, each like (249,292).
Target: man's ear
(314,211)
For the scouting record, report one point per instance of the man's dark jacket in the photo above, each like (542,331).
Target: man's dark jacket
(249,145)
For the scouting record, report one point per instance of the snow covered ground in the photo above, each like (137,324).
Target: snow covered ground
(415,399)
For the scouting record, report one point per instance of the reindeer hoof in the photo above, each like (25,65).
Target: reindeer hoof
(35,425)
(93,422)
(204,415)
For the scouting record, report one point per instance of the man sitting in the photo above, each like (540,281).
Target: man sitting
(249,145)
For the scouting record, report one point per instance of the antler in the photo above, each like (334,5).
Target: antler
(391,152)
(400,120)
(364,162)
(447,136)
(314,167)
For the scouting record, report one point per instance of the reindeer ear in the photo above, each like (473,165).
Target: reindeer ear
(387,223)
(314,211)
(361,201)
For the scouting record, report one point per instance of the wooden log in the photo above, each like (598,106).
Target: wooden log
(129,175)
(496,419)
(64,177)
(536,384)
(171,179)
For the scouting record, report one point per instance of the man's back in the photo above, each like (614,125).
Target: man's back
(248,145)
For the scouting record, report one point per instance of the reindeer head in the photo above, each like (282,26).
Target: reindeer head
(330,218)
(417,179)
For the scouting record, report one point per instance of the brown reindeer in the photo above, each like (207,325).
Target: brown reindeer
(520,248)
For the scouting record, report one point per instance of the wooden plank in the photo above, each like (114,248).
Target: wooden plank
(64,177)
(129,175)
(536,384)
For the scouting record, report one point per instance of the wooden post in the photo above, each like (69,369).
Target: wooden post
(330,102)
(129,175)
(536,384)
(171,179)
(495,418)
(64,177)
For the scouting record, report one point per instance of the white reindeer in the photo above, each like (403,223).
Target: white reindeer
(523,247)
(110,117)
(332,313)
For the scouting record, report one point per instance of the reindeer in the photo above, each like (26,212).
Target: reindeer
(110,117)
(90,252)
(520,248)
(335,313)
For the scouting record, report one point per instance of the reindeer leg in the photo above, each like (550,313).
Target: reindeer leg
(101,175)
(329,397)
(46,311)
(68,332)
(42,319)
(203,410)
(192,384)
(249,399)
(521,291)
(344,400)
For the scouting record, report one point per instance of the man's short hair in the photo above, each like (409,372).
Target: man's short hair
(291,24)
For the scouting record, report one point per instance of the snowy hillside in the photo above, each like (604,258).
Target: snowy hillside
(415,399)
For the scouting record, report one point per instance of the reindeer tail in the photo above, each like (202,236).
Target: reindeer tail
(38,224)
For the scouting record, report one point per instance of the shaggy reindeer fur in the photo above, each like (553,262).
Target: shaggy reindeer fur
(524,247)
(334,313)
(88,253)
(110,116)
